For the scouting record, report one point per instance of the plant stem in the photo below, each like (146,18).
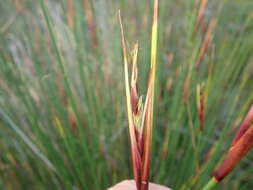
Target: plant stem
(211,184)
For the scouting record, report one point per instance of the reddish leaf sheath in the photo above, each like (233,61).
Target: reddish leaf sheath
(244,126)
(241,145)
(235,154)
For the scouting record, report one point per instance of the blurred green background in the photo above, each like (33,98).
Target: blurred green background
(63,120)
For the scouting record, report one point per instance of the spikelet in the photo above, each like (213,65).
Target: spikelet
(140,114)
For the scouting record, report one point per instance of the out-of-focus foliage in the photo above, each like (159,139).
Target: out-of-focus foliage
(63,117)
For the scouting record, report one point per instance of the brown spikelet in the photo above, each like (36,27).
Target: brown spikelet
(199,18)
(140,115)
(91,22)
(134,88)
(186,89)
(70,113)
(72,121)
(206,42)
(201,97)
(71,13)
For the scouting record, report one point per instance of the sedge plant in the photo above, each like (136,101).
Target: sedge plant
(63,122)
(140,115)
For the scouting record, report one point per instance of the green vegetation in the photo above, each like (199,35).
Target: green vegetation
(63,115)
